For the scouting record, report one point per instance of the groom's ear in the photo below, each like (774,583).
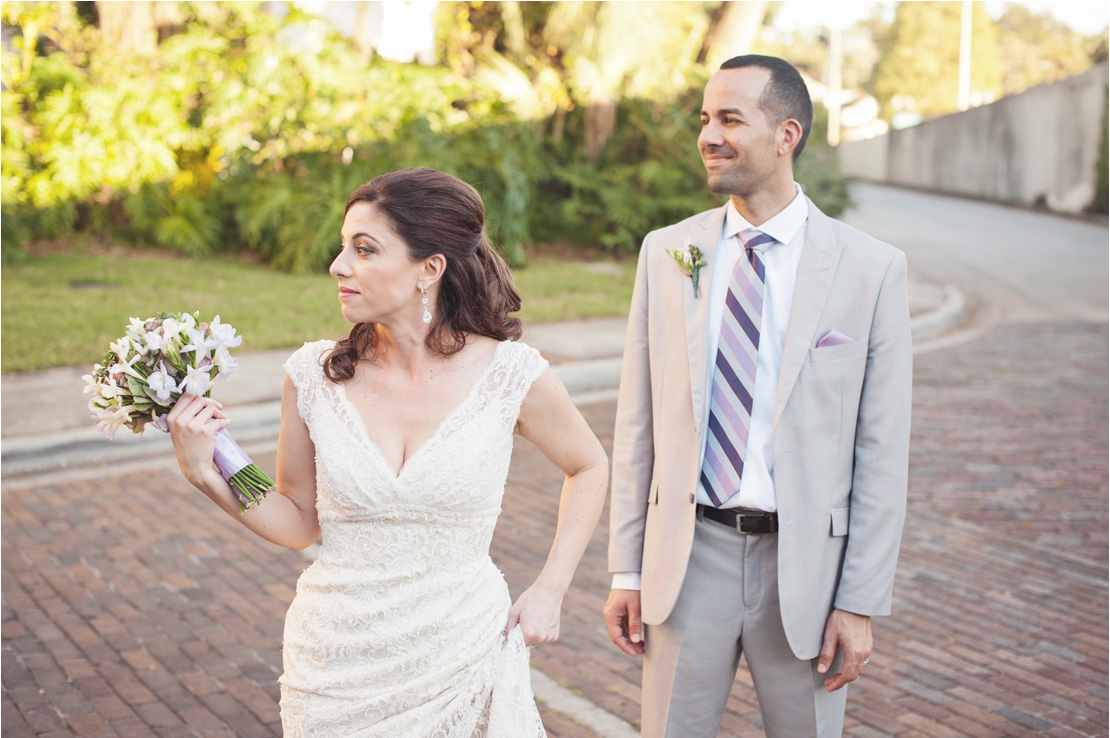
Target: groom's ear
(789,136)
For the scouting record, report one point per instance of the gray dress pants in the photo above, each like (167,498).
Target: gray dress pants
(729,605)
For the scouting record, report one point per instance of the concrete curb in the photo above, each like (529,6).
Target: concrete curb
(587,381)
(593,378)
(944,317)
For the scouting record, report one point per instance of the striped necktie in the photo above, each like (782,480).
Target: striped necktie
(730,408)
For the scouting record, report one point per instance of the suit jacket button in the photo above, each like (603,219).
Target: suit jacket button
(691,497)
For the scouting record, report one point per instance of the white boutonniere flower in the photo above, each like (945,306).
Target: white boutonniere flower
(689,260)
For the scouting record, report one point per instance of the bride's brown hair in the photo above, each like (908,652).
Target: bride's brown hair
(435,213)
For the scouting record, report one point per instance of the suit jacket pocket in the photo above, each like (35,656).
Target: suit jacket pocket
(840,521)
(842,352)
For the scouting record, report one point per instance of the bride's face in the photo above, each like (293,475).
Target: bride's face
(378,281)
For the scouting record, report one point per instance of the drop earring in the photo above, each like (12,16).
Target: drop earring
(426,317)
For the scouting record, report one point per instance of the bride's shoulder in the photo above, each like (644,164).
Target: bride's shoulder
(311,353)
(523,356)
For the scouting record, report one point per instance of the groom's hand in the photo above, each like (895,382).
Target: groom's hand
(622,615)
(850,633)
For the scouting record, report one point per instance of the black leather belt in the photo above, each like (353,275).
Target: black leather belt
(745,521)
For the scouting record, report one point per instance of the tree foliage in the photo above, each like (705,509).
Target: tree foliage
(230,138)
(1037,49)
(920,57)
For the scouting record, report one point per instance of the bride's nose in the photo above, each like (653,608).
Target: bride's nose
(339,267)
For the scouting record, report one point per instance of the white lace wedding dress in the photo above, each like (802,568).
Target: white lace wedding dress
(396,629)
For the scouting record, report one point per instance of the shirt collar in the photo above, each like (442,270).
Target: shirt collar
(782,227)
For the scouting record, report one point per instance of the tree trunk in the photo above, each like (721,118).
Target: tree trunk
(129,26)
(601,121)
(735,31)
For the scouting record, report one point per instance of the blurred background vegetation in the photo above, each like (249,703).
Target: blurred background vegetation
(207,127)
(228,135)
(200,127)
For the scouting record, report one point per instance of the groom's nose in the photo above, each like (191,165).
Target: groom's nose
(710,138)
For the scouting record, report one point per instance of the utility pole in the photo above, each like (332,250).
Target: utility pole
(832,95)
(963,96)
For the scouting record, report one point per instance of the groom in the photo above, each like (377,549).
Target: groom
(762,432)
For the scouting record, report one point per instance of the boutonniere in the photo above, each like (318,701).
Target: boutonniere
(689,260)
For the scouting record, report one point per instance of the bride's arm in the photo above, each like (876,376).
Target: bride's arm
(550,420)
(287,516)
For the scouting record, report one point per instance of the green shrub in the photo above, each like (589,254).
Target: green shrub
(229,139)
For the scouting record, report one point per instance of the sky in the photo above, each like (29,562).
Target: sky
(1085,16)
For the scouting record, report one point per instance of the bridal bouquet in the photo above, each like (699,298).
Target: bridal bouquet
(155,362)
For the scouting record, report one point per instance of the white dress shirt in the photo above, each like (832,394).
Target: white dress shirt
(780,261)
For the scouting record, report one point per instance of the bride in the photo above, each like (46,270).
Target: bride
(394,450)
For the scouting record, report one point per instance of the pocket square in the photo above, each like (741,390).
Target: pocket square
(834,338)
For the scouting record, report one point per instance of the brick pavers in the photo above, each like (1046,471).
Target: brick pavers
(132,607)
(1000,615)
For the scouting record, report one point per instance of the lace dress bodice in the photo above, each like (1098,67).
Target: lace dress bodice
(396,629)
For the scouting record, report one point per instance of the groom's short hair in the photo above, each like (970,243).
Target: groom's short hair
(785,96)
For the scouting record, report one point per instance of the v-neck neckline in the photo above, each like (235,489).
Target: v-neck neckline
(356,418)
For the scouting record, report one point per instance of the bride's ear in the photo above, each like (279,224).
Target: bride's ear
(431,271)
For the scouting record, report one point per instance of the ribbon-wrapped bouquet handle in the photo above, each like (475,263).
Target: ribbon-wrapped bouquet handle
(156,362)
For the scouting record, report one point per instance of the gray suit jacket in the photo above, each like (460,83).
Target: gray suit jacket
(841,433)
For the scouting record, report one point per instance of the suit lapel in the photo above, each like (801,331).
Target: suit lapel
(705,235)
(820,253)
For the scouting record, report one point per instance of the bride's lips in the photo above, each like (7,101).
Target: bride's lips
(344,292)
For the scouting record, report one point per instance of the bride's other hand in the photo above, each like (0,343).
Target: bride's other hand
(193,422)
(536,611)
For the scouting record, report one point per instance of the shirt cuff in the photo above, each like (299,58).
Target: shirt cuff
(626,580)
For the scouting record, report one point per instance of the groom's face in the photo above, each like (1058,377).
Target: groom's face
(737,144)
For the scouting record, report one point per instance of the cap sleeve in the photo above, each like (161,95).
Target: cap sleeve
(521,365)
(306,370)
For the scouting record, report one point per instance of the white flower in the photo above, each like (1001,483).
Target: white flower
(139,326)
(197,382)
(226,363)
(163,385)
(125,367)
(110,391)
(224,334)
(153,341)
(170,329)
(199,344)
(159,421)
(92,384)
(121,347)
(112,418)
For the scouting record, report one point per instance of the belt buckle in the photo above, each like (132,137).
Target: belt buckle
(756,524)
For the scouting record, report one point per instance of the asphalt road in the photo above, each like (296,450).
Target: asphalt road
(1026,265)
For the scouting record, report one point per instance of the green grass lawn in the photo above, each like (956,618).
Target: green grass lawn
(62,309)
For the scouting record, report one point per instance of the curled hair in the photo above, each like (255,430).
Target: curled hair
(785,96)
(435,213)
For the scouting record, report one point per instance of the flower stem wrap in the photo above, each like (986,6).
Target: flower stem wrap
(250,484)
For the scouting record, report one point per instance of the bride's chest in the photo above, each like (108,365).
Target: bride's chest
(458,463)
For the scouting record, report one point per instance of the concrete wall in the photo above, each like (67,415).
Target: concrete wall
(1036,148)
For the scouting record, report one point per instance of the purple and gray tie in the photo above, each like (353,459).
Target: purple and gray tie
(730,408)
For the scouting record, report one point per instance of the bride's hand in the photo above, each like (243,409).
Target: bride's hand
(536,611)
(193,422)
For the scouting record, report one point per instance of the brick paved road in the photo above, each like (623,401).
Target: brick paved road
(1000,622)
(130,616)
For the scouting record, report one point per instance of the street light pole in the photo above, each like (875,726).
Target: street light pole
(832,95)
(964,93)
